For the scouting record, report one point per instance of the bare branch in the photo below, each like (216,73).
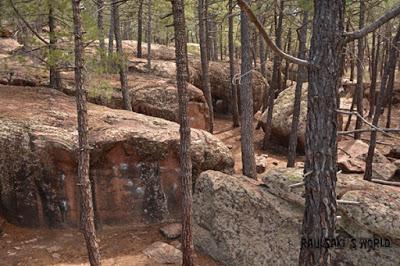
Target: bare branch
(394,12)
(27,24)
(245,8)
(388,183)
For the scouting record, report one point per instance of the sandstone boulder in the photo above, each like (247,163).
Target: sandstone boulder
(352,155)
(150,95)
(220,80)
(134,161)
(239,221)
(164,253)
(283,114)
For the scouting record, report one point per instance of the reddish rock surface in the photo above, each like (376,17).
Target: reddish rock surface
(132,155)
(150,95)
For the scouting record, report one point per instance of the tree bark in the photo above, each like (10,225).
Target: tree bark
(374,74)
(288,50)
(149,34)
(301,76)
(87,215)
(205,79)
(100,28)
(139,30)
(360,72)
(111,33)
(276,77)
(55,77)
(121,57)
(390,65)
(321,144)
(184,152)
(246,101)
(390,94)
(232,86)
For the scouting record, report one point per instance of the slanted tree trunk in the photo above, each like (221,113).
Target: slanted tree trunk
(121,57)
(232,86)
(184,152)
(390,65)
(321,143)
(246,101)
(374,73)
(288,50)
(55,78)
(139,30)
(301,76)
(276,77)
(360,72)
(87,214)
(149,7)
(205,79)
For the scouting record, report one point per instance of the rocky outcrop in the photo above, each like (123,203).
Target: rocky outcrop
(150,95)
(352,155)
(283,114)
(220,80)
(239,221)
(132,156)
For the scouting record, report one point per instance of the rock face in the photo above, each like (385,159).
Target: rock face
(352,155)
(239,221)
(132,156)
(163,253)
(282,116)
(220,80)
(151,95)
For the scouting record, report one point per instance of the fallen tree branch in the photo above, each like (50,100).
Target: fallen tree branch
(364,120)
(367,130)
(394,12)
(300,184)
(350,202)
(388,183)
(249,13)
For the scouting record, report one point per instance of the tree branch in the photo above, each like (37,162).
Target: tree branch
(249,13)
(390,14)
(27,24)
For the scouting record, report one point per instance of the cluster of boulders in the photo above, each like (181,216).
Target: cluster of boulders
(134,161)
(239,221)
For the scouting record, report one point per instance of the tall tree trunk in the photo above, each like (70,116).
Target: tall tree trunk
(207,25)
(276,77)
(121,57)
(288,50)
(139,29)
(246,101)
(321,131)
(232,85)
(205,79)
(111,33)
(390,65)
(374,74)
(389,91)
(55,78)
(184,152)
(87,215)
(301,76)
(100,28)
(360,72)
(149,7)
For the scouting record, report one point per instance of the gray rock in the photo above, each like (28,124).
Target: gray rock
(171,231)
(239,221)
(163,253)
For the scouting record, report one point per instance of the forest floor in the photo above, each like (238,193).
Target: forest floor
(119,245)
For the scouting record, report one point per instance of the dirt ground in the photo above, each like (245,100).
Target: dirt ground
(119,245)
